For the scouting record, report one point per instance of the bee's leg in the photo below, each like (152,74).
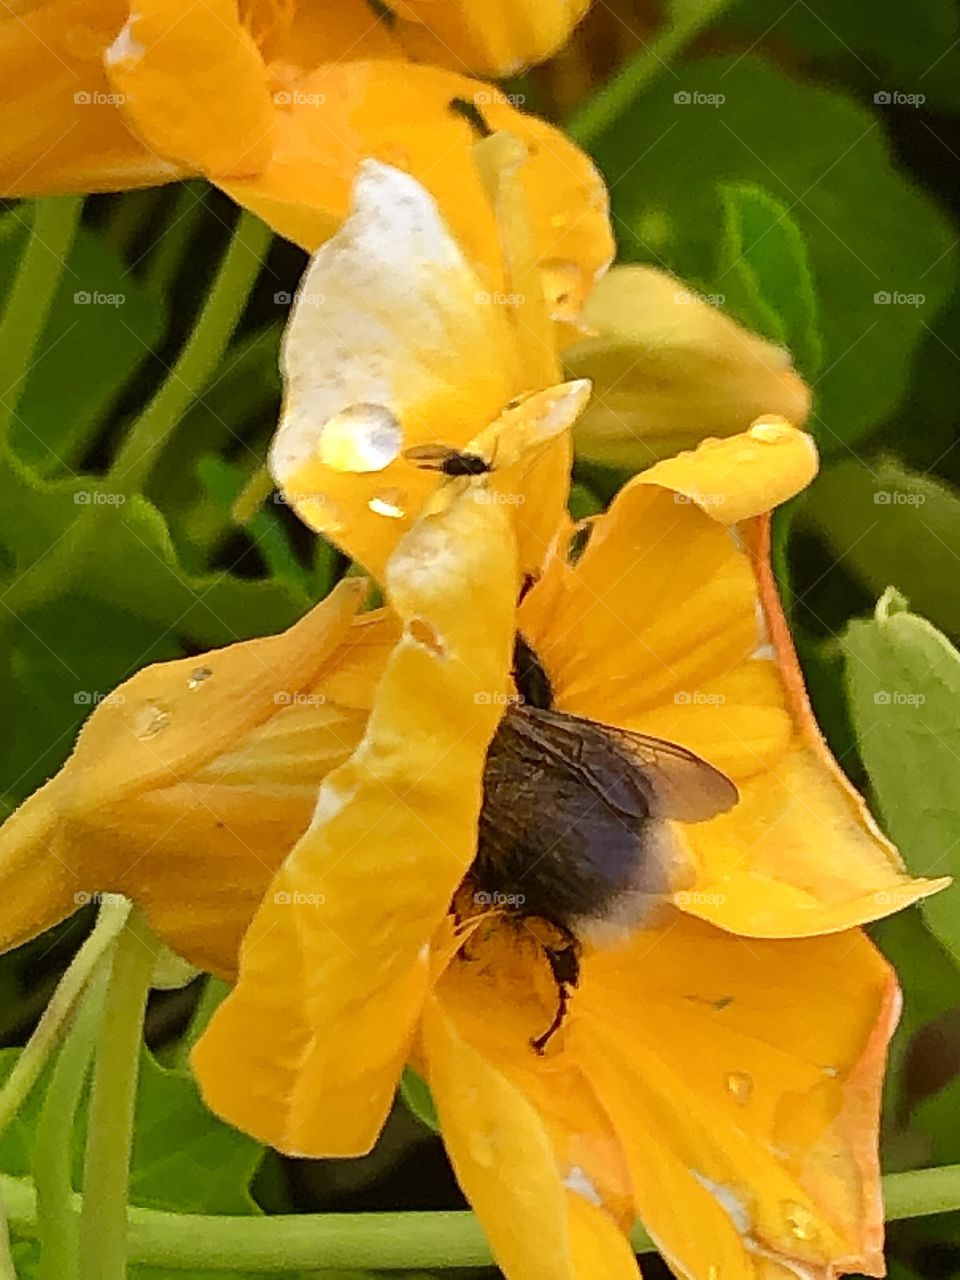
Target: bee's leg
(565,967)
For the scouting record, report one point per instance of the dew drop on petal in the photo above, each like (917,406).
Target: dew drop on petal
(389,504)
(197,676)
(361,438)
(802,1223)
(740,1085)
(152,718)
(714,1272)
(769,431)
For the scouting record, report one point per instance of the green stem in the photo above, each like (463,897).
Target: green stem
(55,222)
(379,1241)
(54,1020)
(200,356)
(7,1270)
(53,1145)
(170,249)
(596,116)
(106,1175)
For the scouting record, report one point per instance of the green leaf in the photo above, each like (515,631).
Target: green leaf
(867,229)
(886,46)
(903,679)
(75,534)
(765,274)
(103,324)
(416,1094)
(888,525)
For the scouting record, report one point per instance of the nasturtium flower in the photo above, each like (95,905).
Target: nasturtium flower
(668,368)
(717,1072)
(278,103)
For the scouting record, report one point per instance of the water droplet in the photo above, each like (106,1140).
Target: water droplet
(831,1072)
(803,1225)
(360,438)
(150,719)
(714,1272)
(388,504)
(740,1086)
(197,677)
(770,431)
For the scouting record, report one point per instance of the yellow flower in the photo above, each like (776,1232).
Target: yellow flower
(718,1069)
(668,368)
(277,104)
(395,344)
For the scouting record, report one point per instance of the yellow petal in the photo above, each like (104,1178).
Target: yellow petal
(491,37)
(393,344)
(669,369)
(535,1154)
(194,85)
(187,787)
(669,624)
(400,114)
(61,127)
(306,1051)
(744,1080)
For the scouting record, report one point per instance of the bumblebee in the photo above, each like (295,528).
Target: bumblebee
(575,825)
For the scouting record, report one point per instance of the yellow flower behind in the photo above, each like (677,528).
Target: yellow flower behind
(279,103)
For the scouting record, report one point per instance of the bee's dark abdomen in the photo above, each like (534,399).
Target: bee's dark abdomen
(567,842)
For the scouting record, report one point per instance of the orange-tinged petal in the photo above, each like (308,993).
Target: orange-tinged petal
(306,1051)
(534,1153)
(61,128)
(392,344)
(491,37)
(401,114)
(669,624)
(186,788)
(194,85)
(743,1078)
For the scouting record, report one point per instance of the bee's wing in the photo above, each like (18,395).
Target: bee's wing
(429,455)
(685,786)
(668,782)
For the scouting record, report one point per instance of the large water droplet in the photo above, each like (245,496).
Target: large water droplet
(197,676)
(740,1086)
(802,1223)
(152,718)
(361,438)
